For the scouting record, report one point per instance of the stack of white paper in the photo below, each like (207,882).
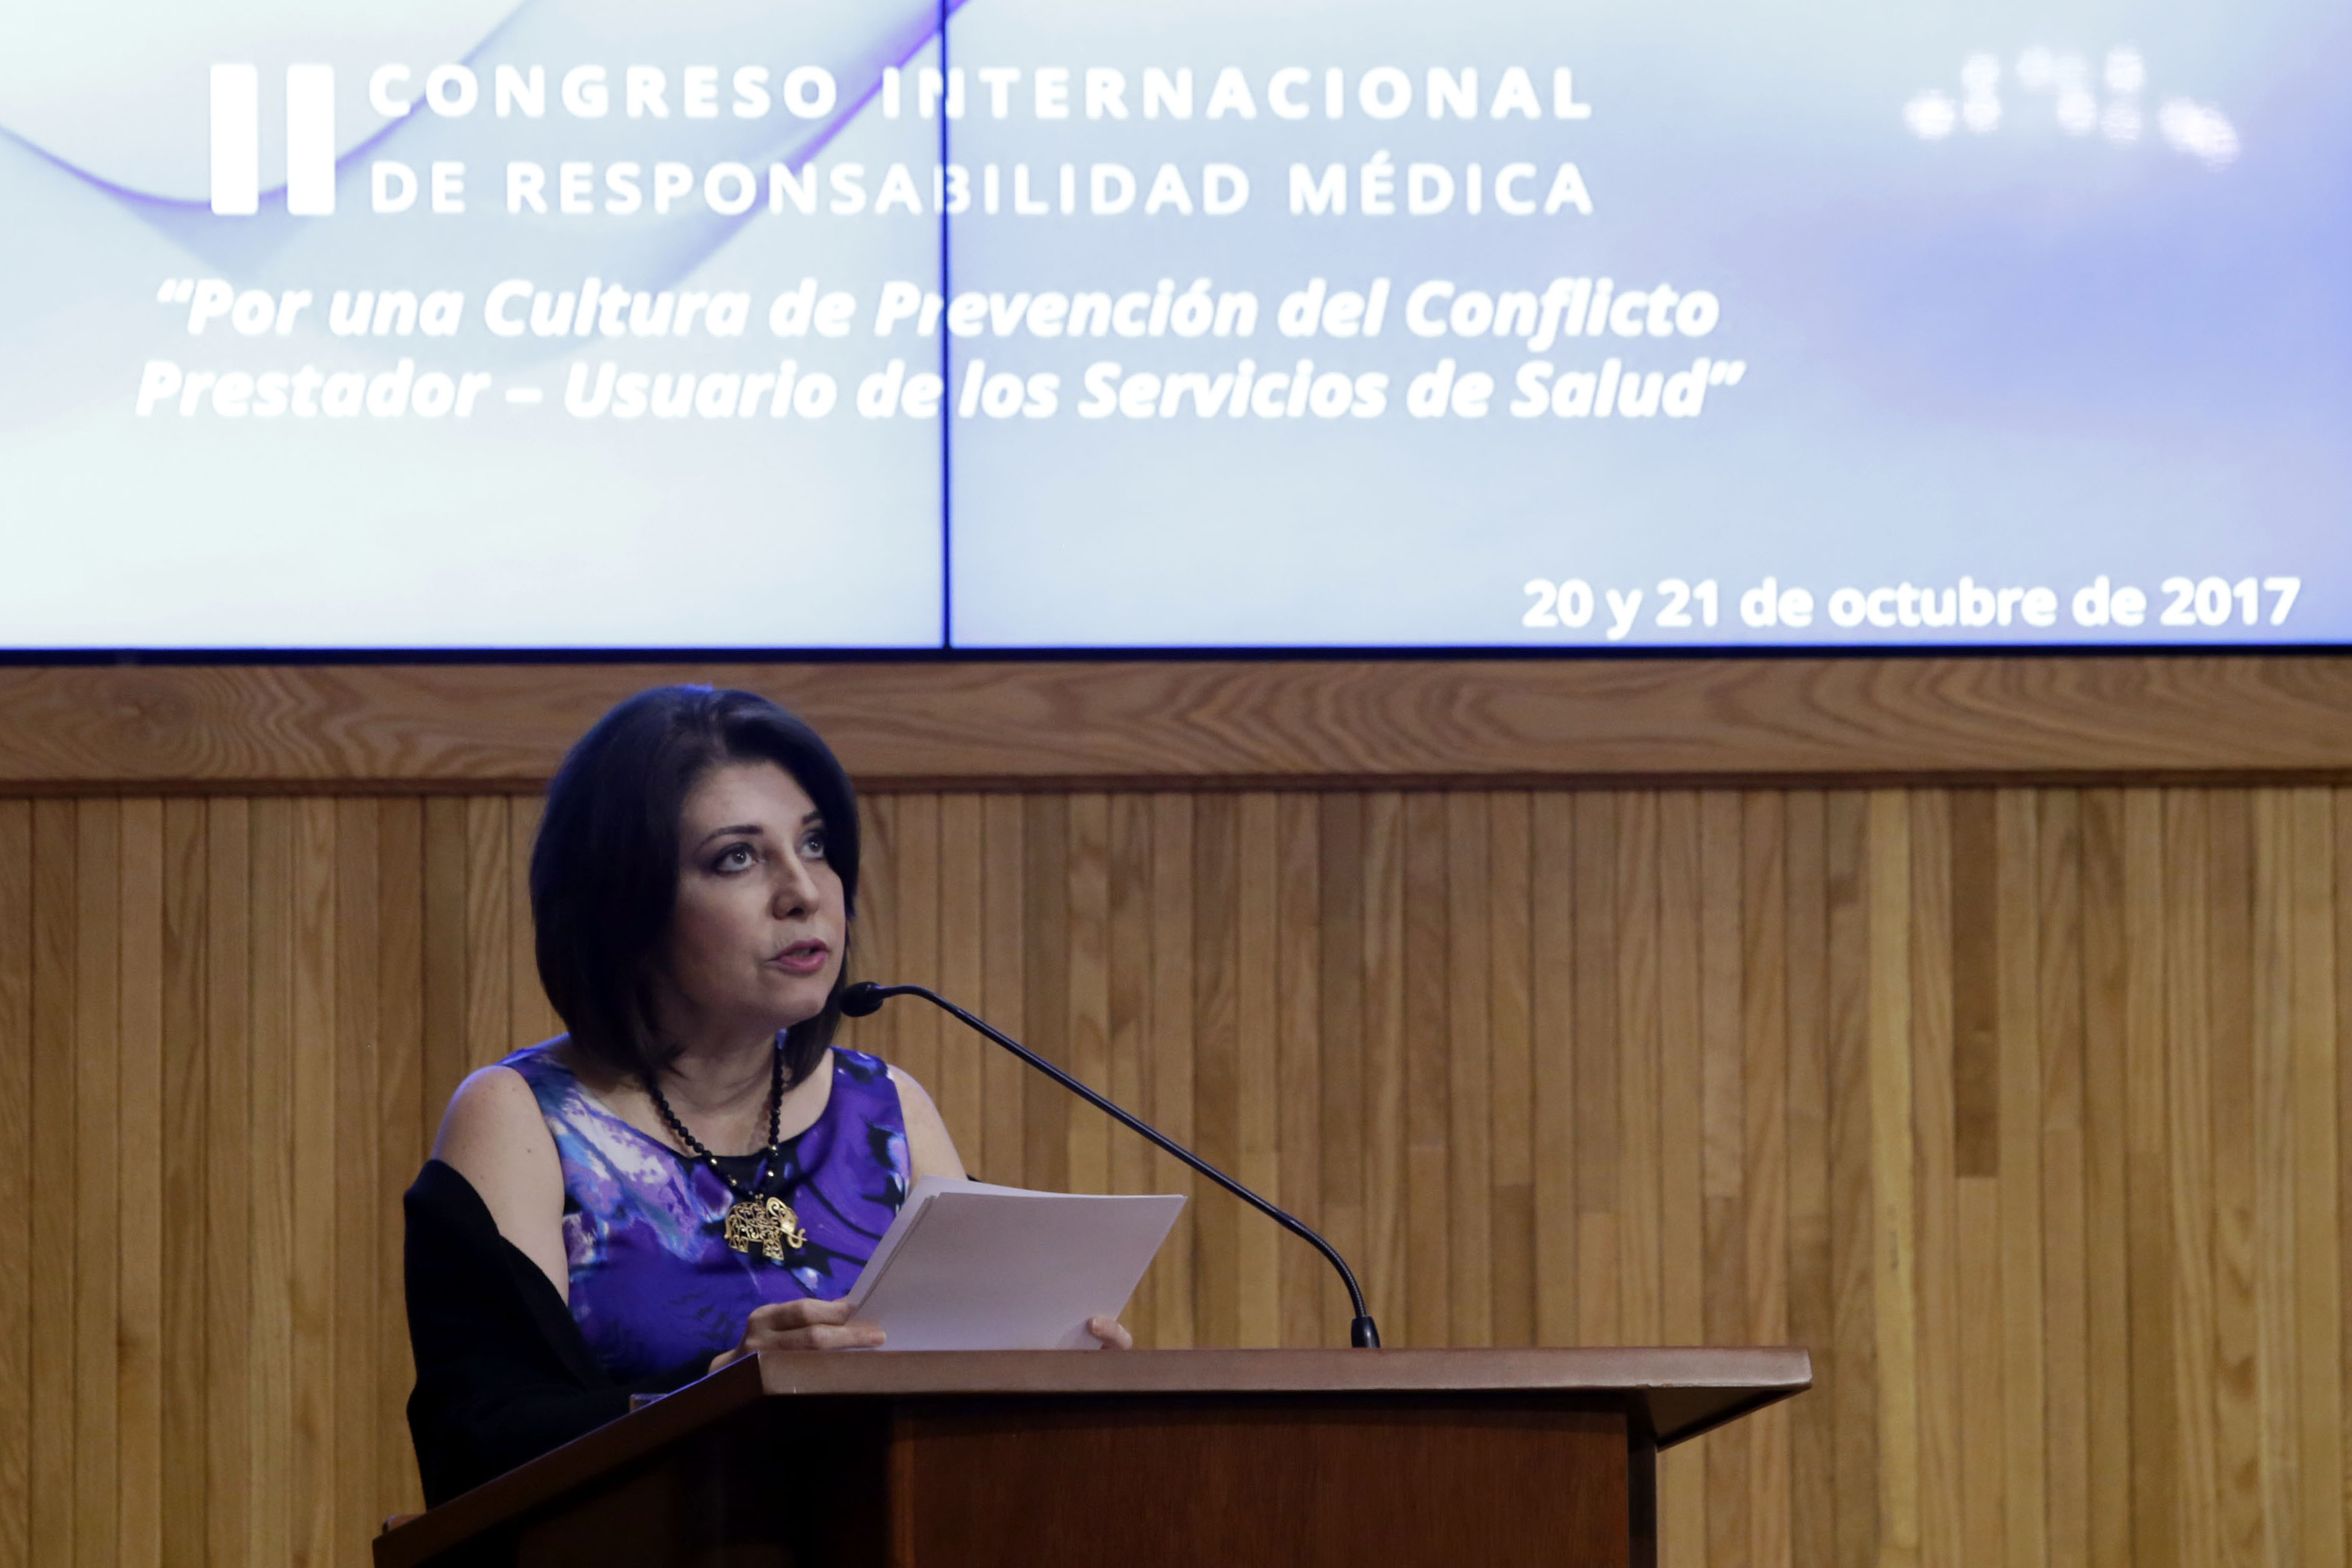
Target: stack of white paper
(969,1267)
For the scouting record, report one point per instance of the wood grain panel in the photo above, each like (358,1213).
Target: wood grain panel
(16,1108)
(1191,721)
(2022,1107)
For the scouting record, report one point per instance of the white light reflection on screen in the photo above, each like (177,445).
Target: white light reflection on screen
(2200,131)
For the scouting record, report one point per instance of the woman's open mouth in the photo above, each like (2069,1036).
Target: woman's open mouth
(804,957)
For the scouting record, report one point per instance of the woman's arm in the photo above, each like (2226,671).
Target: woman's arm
(494,1136)
(929,1150)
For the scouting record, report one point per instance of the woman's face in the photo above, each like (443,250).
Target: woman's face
(757,936)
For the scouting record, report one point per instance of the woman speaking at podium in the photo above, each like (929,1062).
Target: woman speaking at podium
(693,1172)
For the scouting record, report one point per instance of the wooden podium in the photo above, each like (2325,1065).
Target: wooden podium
(1198,1457)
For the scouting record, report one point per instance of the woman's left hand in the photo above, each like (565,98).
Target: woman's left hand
(1110,1334)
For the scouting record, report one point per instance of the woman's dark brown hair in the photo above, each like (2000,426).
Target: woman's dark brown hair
(603,871)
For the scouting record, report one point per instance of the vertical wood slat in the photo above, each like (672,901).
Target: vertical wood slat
(1553,992)
(1468,1129)
(406,1117)
(1598,1201)
(1511,1082)
(97,1177)
(139,1323)
(1295,1034)
(1764,1076)
(1173,1273)
(1683,1522)
(18,1041)
(1812,1310)
(1256,1078)
(183,1496)
(1851,1381)
(2023,1107)
(1723,1168)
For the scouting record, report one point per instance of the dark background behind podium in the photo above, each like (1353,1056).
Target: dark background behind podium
(1973,1023)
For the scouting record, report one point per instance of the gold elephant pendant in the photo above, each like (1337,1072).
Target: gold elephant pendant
(769,1226)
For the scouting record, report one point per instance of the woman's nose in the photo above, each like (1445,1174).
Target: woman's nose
(795,888)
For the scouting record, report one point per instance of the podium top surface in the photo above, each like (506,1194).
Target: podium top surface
(1678,1393)
(1686,1391)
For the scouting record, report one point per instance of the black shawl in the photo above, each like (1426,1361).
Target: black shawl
(503,1372)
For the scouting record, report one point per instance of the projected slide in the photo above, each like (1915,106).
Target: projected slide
(453,323)
(1593,325)
(549,324)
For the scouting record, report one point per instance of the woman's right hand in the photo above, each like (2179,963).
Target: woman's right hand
(805,1325)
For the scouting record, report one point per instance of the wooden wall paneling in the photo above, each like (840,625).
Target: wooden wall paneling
(1046,1114)
(313,1049)
(229,1144)
(1003,956)
(1063,723)
(56,1049)
(351,1172)
(1469,1049)
(2022,1106)
(1811,1315)
(533,1018)
(184,1495)
(274,1489)
(917,906)
(2023,1450)
(139,1262)
(1345,1040)
(1975,1067)
(1596,1048)
(1764,1146)
(489,912)
(2342,870)
(16,1153)
(1088,1150)
(1427,1262)
(2154,1444)
(405,1122)
(448,1050)
(1257,1081)
(1681,1199)
(2238,1425)
(1935,1192)
(97,1177)
(1851,1362)
(1894,1221)
(1292,1035)
(2270,1229)
(1723,1120)
(2066,1328)
(872,950)
(2317,1377)
(1128,1002)
(1554,994)
(1641,1109)
(962,919)
(1216,1067)
(1174,1273)
(1386,1142)
(2116,1248)
(1511,1273)
(2188,1086)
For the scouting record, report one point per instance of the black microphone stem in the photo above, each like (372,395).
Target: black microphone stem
(1363,1333)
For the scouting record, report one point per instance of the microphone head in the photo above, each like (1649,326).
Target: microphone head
(858,1000)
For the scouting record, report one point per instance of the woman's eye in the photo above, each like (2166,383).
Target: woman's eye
(813,846)
(734,857)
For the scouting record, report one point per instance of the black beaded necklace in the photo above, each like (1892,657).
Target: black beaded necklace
(755,1219)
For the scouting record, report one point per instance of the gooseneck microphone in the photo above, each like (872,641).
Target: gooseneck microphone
(865,997)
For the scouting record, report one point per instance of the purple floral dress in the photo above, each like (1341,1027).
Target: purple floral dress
(653,1280)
